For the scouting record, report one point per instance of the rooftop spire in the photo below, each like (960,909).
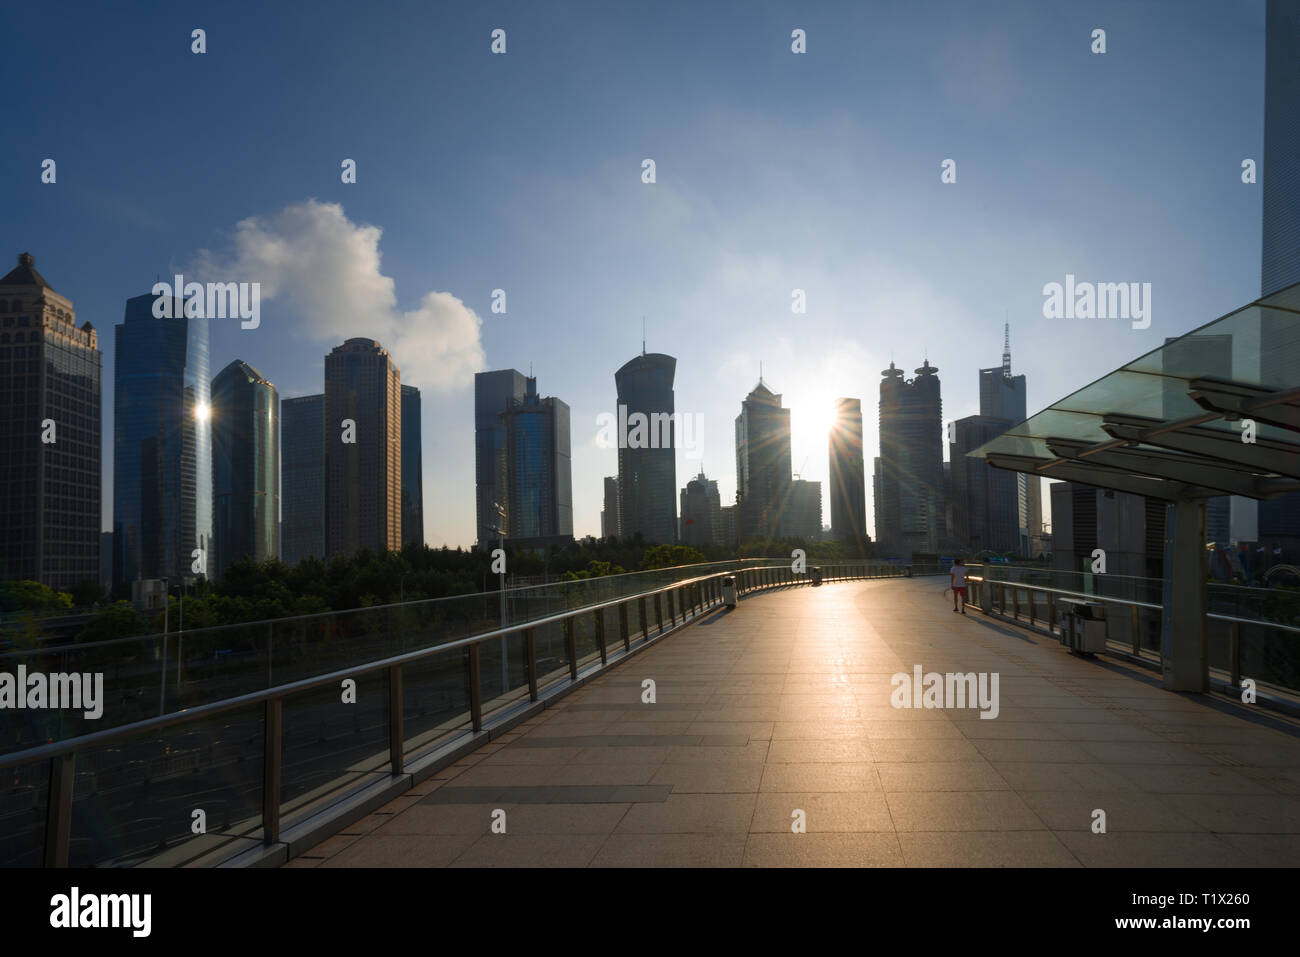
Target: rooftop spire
(643,335)
(1006,351)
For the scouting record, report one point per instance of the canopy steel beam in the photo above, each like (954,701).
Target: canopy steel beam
(1274,406)
(1165,465)
(1102,477)
(1262,455)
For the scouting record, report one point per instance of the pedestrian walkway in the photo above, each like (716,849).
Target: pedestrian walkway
(783,705)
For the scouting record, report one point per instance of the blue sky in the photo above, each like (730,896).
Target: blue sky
(522,171)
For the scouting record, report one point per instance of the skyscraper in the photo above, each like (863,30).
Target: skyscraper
(1002,396)
(363,449)
(412,468)
(611,522)
(493,392)
(49,435)
(1278,520)
(848,491)
(985,499)
(162,445)
(909,502)
(302,445)
(647,474)
(1280,262)
(763,464)
(701,512)
(245,467)
(803,514)
(539,470)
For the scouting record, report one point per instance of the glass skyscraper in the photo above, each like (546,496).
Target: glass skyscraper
(848,489)
(363,462)
(647,477)
(49,435)
(245,467)
(302,445)
(162,444)
(412,469)
(910,508)
(539,469)
(763,464)
(493,392)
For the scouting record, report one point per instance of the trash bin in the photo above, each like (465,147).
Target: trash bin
(729,591)
(1083,626)
(816,573)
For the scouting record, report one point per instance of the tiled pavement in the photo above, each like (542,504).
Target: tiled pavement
(784,704)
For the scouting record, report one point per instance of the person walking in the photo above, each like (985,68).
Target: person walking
(957,580)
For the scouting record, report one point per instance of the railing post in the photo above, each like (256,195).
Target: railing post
(1135,626)
(600,634)
(645,621)
(395,756)
(1234,654)
(530,656)
(475,691)
(1015,602)
(659,611)
(58,809)
(571,648)
(622,625)
(1051,612)
(1032,605)
(272,743)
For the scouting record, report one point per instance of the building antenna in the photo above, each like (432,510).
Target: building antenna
(1006,351)
(643,335)
(760,371)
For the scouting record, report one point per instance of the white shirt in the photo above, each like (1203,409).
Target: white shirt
(958,576)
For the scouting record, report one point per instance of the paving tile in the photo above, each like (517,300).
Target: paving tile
(531,850)
(985,849)
(961,811)
(823,850)
(691,814)
(827,811)
(671,850)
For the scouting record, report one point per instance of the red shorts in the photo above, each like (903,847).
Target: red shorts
(959,591)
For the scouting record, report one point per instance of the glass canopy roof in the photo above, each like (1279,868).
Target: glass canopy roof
(1236,358)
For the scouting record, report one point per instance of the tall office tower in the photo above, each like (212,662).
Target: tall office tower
(613,527)
(539,468)
(985,499)
(848,488)
(245,468)
(1002,396)
(412,468)
(883,546)
(1193,357)
(302,463)
(1129,528)
(763,463)
(1280,262)
(1278,520)
(363,449)
(803,514)
(701,512)
(162,444)
(910,509)
(49,435)
(493,392)
(647,474)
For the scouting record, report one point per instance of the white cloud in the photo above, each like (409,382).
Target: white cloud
(326,270)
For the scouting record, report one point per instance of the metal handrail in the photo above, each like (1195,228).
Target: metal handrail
(695,596)
(1062,591)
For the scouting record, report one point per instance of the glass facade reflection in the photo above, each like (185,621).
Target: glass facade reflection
(245,467)
(302,446)
(162,444)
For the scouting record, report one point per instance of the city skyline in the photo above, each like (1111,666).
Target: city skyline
(692,247)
